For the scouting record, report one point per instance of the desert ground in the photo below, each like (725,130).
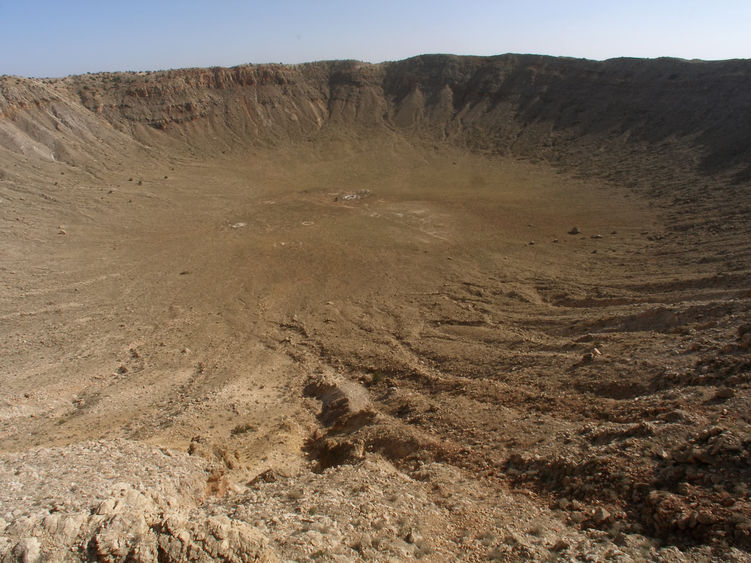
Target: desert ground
(443,309)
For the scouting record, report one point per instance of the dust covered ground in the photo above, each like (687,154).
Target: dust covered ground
(376,348)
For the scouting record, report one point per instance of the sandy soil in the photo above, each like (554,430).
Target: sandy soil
(372,347)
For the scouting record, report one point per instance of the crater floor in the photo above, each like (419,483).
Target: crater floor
(368,349)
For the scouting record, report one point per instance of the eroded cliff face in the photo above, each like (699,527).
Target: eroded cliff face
(591,115)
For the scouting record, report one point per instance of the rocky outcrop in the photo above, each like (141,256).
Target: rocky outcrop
(595,116)
(115,501)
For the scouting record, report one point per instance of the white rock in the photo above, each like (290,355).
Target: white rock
(28,550)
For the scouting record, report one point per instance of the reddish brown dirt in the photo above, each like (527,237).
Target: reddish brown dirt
(299,269)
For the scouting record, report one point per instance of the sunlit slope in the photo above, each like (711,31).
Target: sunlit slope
(552,108)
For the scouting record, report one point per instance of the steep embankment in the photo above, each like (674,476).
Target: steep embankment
(525,105)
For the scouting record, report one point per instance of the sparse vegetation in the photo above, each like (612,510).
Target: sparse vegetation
(377,377)
(243,429)
(341,341)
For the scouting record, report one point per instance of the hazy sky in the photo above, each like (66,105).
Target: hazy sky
(55,38)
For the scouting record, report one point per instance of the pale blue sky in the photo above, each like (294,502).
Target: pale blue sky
(56,38)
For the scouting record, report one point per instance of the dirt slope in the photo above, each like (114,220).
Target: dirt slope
(442,308)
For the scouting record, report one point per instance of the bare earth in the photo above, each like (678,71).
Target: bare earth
(446,308)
